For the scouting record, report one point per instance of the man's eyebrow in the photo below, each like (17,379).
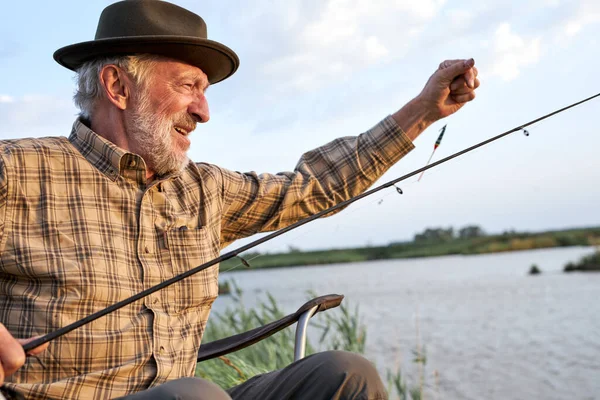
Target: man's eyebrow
(204,83)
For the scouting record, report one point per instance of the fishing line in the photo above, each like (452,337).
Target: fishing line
(347,213)
(245,262)
(530,131)
(302,234)
(64,330)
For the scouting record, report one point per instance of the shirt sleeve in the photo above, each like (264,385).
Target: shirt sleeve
(322,178)
(3,201)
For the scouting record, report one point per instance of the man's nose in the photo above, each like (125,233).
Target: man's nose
(199,109)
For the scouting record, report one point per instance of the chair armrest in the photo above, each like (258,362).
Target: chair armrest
(242,340)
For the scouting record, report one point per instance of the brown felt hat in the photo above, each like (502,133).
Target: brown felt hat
(153,27)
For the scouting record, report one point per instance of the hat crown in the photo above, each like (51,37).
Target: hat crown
(148,18)
(153,27)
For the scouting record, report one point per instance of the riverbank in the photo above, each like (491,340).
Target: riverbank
(590,263)
(483,320)
(509,241)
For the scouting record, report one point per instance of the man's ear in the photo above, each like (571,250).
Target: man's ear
(116,85)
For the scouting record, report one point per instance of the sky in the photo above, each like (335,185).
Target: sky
(314,70)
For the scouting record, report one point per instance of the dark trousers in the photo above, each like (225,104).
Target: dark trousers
(331,375)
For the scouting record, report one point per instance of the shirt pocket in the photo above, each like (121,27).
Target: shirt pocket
(189,248)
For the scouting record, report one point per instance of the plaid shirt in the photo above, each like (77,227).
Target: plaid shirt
(80,229)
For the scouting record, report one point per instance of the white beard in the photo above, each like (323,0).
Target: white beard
(151,137)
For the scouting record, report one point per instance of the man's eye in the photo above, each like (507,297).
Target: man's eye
(188,85)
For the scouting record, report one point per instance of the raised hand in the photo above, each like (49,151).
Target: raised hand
(449,88)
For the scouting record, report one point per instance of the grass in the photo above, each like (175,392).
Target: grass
(340,329)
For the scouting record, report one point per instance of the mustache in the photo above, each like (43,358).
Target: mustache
(185,121)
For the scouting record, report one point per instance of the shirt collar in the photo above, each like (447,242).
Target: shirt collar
(107,157)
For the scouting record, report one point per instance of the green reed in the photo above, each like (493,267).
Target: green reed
(339,329)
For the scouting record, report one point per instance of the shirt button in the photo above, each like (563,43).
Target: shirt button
(147,250)
(156,301)
(132,163)
(161,350)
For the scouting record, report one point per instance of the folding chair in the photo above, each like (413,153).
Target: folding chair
(237,342)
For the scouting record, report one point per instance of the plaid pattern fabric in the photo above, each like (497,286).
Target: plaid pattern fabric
(80,229)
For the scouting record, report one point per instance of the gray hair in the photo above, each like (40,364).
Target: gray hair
(89,88)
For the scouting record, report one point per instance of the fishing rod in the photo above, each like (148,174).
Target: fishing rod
(92,317)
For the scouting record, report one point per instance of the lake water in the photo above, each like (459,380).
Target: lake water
(490,330)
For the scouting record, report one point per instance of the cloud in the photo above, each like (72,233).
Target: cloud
(307,59)
(513,52)
(35,115)
(587,14)
(460,18)
(343,37)
(4,98)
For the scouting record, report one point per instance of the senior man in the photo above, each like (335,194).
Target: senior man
(117,207)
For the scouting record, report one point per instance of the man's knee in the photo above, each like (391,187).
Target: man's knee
(355,376)
(182,389)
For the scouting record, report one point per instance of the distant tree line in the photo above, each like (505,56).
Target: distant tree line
(470,239)
(449,234)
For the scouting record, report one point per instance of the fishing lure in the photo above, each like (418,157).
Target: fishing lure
(246,263)
(435,146)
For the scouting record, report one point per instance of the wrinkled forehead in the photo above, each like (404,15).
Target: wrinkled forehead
(174,70)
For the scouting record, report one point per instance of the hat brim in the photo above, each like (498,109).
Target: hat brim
(216,60)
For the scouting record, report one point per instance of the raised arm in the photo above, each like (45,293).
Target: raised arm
(345,167)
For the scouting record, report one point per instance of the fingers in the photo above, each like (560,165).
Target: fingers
(35,351)
(470,77)
(452,69)
(12,356)
(448,63)
(463,98)
(460,86)
(449,88)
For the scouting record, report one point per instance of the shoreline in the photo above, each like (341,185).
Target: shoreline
(489,244)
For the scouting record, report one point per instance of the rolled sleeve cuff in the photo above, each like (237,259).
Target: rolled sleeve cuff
(391,141)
